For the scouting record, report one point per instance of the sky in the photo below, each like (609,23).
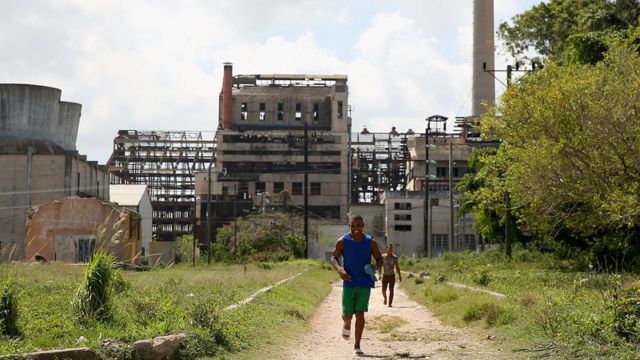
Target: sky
(157,64)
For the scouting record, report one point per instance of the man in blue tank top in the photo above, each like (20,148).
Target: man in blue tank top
(356,249)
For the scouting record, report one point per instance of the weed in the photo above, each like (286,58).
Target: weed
(93,298)
(419,281)
(626,309)
(444,295)
(8,310)
(482,277)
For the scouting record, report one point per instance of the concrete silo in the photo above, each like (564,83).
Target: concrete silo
(39,159)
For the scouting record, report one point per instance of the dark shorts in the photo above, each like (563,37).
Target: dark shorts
(355,300)
(389,280)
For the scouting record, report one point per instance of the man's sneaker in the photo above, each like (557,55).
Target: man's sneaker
(358,352)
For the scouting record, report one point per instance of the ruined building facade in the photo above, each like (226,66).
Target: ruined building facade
(39,160)
(260,144)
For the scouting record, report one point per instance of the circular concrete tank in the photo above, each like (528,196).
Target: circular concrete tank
(34,115)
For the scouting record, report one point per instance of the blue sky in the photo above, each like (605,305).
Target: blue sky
(157,65)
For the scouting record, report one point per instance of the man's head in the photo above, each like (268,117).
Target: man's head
(356,224)
(389,249)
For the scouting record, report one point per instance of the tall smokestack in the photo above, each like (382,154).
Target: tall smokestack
(483,56)
(227,84)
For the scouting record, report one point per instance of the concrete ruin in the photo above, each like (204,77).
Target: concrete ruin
(39,160)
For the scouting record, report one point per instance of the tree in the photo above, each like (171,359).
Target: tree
(571,135)
(273,235)
(571,30)
(478,199)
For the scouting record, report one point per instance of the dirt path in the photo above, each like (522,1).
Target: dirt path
(417,335)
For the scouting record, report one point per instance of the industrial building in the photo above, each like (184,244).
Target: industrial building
(165,161)
(39,159)
(269,124)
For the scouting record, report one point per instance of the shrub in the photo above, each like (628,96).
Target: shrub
(93,298)
(482,277)
(206,315)
(626,310)
(8,310)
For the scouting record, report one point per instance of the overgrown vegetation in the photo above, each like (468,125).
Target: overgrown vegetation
(168,301)
(270,236)
(93,298)
(8,309)
(550,309)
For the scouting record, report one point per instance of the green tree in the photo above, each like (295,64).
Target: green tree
(571,135)
(571,30)
(273,235)
(488,212)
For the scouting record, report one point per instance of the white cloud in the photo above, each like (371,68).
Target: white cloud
(158,65)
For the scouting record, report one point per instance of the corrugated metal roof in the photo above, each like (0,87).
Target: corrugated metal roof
(127,195)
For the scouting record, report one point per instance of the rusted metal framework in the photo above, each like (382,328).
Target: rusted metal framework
(166,161)
(379,163)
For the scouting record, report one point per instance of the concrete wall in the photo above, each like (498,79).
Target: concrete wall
(32,112)
(55,229)
(161,251)
(146,213)
(38,179)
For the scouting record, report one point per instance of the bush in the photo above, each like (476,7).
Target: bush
(93,298)
(482,277)
(8,310)
(626,314)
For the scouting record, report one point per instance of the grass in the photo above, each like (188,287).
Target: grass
(167,301)
(550,310)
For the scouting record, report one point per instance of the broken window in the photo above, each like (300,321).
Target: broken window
(402,217)
(280,111)
(278,187)
(339,109)
(316,112)
(315,188)
(243,111)
(296,188)
(260,187)
(402,206)
(402,228)
(298,111)
(262,116)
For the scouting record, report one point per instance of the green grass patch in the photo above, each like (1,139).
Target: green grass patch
(167,301)
(550,309)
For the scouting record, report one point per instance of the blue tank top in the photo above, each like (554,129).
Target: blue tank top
(357,254)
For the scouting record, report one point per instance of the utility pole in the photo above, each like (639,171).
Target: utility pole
(306,190)
(235,217)
(208,218)
(451,230)
(427,198)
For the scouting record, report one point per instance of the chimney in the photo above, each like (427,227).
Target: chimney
(227,84)
(483,84)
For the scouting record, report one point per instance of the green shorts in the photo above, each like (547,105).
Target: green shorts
(355,300)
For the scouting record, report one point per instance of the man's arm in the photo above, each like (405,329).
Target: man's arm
(337,253)
(398,269)
(376,254)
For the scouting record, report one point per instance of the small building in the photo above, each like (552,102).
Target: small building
(73,228)
(136,198)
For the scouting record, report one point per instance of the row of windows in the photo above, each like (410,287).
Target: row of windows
(315,188)
(280,113)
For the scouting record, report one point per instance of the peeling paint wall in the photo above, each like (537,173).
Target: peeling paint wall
(57,231)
